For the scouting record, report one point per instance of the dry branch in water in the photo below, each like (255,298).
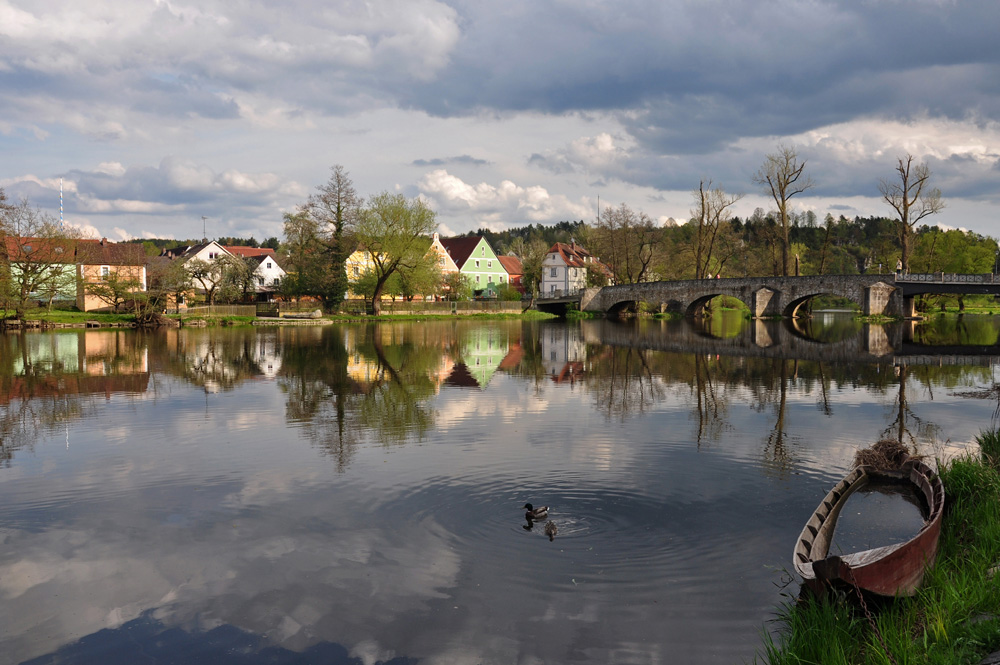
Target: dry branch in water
(884,454)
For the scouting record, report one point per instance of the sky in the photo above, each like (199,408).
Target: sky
(178,119)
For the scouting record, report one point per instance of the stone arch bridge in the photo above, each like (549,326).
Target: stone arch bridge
(887,295)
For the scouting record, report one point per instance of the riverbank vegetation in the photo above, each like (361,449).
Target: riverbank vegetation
(955,616)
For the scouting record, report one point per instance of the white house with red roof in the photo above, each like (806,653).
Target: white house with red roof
(564,269)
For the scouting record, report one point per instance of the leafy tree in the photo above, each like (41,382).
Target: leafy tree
(457,286)
(531,252)
(392,230)
(781,176)
(912,199)
(237,282)
(206,274)
(334,208)
(115,289)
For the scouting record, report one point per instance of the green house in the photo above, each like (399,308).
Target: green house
(477,260)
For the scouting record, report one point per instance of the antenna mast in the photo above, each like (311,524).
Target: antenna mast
(204,235)
(60,203)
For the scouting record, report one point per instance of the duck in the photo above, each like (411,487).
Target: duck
(551,530)
(533,513)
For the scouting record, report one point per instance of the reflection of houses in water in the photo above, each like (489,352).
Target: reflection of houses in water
(482,352)
(75,363)
(564,352)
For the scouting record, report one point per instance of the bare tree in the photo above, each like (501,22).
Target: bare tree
(781,175)
(626,241)
(711,213)
(912,200)
(38,257)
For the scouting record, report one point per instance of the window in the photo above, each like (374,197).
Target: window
(356,271)
(489,264)
(260,281)
(477,263)
(268,264)
(501,279)
(105,272)
(553,273)
(442,260)
(277,281)
(482,251)
(477,279)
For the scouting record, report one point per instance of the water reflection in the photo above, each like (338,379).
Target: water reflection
(361,485)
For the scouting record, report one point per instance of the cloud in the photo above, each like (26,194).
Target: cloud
(466,160)
(507,204)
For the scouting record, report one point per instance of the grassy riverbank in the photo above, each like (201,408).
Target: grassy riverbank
(955,616)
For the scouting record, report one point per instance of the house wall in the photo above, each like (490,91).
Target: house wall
(270,272)
(557,276)
(91,274)
(484,268)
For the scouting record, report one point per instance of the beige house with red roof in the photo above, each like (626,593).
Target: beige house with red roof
(98,259)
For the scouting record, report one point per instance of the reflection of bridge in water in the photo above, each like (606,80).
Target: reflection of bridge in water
(778,296)
(784,340)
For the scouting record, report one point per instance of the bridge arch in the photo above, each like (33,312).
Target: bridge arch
(793,307)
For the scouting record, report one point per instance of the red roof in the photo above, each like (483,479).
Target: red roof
(68,250)
(244,251)
(572,255)
(512,265)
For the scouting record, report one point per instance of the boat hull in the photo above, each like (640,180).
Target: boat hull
(893,570)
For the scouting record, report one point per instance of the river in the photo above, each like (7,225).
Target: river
(353,493)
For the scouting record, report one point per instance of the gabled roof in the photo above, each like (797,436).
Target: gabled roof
(260,258)
(102,252)
(69,250)
(573,255)
(40,250)
(460,249)
(511,264)
(185,253)
(248,252)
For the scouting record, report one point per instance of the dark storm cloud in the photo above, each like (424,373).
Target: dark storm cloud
(695,76)
(465,160)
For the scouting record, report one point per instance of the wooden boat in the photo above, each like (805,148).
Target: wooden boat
(892,570)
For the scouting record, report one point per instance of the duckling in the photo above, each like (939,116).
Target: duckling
(551,530)
(539,513)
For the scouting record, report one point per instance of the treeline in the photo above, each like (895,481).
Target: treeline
(750,246)
(155,246)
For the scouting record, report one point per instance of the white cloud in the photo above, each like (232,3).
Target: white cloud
(507,203)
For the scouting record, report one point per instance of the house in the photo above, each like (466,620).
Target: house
(268,273)
(445,262)
(41,269)
(515,271)
(60,269)
(97,260)
(564,269)
(474,257)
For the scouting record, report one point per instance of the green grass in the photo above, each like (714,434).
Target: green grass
(955,616)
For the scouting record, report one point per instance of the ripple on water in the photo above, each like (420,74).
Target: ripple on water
(604,534)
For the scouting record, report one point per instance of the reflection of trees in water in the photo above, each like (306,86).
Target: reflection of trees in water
(359,381)
(905,422)
(710,400)
(217,359)
(624,383)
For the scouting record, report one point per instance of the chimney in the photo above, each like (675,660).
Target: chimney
(435,235)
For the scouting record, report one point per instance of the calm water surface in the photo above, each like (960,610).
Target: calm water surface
(353,493)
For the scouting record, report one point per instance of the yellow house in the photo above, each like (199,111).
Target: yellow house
(357,264)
